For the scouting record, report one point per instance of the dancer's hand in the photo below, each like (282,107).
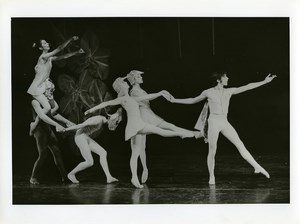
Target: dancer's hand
(81,51)
(75,38)
(60,128)
(165,94)
(70,124)
(269,78)
(89,111)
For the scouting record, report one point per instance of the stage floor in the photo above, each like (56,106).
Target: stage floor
(235,184)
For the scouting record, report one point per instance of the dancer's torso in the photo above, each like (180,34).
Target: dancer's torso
(91,129)
(42,72)
(132,108)
(218,100)
(137,92)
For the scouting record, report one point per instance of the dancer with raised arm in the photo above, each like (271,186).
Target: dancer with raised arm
(87,145)
(135,124)
(135,79)
(46,139)
(218,101)
(43,70)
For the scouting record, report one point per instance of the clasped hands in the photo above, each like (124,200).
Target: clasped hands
(167,95)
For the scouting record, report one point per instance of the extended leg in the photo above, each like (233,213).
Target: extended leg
(168,126)
(230,133)
(96,148)
(151,129)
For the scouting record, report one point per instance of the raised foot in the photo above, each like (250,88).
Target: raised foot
(34,181)
(144,176)
(197,134)
(32,128)
(136,183)
(262,171)
(111,180)
(73,178)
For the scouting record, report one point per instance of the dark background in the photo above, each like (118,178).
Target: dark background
(176,54)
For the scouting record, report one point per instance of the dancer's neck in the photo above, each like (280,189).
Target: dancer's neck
(219,87)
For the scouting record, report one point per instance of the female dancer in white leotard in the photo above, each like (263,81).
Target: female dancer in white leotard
(87,145)
(135,79)
(218,100)
(135,124)
(42,72)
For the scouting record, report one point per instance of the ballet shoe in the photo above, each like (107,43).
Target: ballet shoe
(73,179)
(144,176)
(136,183)
(34,181)
(198,134)
(263,172)
(212,181)
(111,180)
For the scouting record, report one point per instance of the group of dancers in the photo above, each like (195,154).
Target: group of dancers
(141,120)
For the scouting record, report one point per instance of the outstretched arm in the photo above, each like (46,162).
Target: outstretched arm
(254,85)
(59,48)
(150,96)
(65,56)
(91,121)
(103,105)
(194,100)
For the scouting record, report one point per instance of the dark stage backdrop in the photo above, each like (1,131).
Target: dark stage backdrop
(176,54)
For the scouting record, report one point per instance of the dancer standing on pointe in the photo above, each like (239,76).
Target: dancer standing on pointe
(135,79)
(218,101)
(135,124)
(42,73)
(87,145)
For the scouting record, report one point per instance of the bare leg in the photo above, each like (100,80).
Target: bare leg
(230,133)
(81,142)
(135,153)
(96,148)
(151,129)
(172,127)
(213,134)
(58,161)
(41,143)
(142,143)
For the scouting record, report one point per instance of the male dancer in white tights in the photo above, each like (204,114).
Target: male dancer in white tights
(218,101)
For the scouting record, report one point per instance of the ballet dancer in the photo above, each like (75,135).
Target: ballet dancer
(135,79)
(218,101)
(87,145)
(43,70)
(135,124)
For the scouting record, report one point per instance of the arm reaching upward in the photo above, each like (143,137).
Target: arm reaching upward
(59,48)
(254,85)
(65,56)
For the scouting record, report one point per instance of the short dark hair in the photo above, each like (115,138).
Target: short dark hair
(217,76)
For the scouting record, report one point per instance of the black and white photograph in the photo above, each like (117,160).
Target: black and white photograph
(151,112)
